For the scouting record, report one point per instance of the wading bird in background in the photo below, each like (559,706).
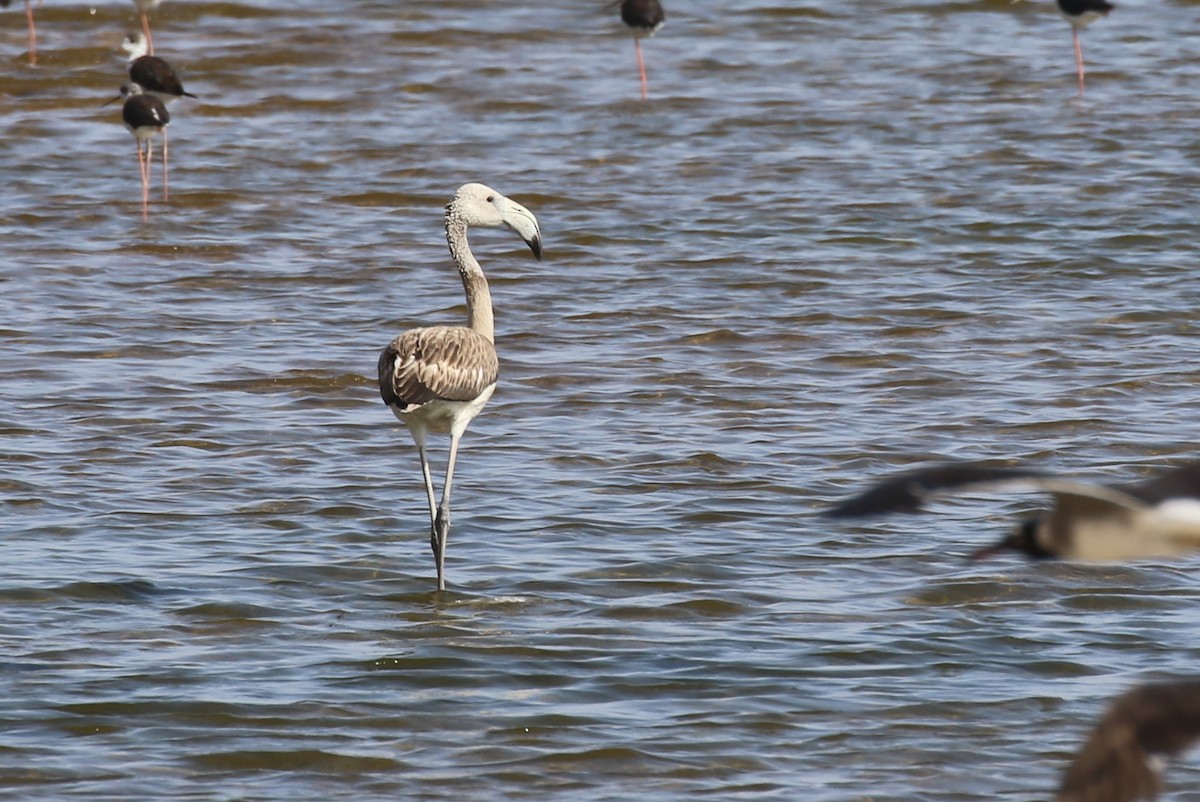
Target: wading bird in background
(437,379)
(144,6)
(153,74)
(156,77)
(1082,13)
(146,117)
(30,25)
(644,17)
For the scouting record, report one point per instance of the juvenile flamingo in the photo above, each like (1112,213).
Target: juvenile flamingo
(437,379)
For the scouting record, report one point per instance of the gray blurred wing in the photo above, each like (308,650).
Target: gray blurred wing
(908,491)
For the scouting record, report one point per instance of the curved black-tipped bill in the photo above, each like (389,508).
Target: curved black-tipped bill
(535,245)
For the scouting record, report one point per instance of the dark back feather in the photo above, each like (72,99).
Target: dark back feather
(1159,719)
(154,74)
(645,15)
(1078,7)
(145,111)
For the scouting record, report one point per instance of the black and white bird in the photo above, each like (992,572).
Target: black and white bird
(30,25)
(1123,758)
(1159,517)
(1082,13)
(153,74)
(437,379)
(156,77)
(146,117)
(644,18)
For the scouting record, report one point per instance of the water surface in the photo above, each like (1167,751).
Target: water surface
(840,240)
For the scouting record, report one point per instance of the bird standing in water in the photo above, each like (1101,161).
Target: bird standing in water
(146,117)
(32,28)
(153,74)
(644,17)
(157,78)
(143,6)
(439,378)
(1082,13)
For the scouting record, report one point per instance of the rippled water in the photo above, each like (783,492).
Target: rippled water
(838,241)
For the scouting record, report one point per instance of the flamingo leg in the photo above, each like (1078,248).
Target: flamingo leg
(1078,58)
(441,523)
(418,436)
(637,45)
(433,536)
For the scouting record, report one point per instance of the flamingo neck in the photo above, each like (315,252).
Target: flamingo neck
(475,285)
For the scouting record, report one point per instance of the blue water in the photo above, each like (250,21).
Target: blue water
(837,242)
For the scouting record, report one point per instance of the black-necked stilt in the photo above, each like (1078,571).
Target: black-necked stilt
(153,74)
(32,28)
(146,117)
(644,17)
(439,378)
(143,6)
(1081,13)
(157,78)
(1123,758)
(1155,518)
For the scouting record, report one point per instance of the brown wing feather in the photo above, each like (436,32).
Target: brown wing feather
(1113,765)
(450,363)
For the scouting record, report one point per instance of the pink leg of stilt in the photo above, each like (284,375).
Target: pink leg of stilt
(165,194)
(144,175)
(149,167)
(146,31)
(32,32)
(1078,58)
(637,44)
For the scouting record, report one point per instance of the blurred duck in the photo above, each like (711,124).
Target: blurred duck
(1155,518)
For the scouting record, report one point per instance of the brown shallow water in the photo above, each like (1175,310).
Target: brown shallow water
(839,240)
